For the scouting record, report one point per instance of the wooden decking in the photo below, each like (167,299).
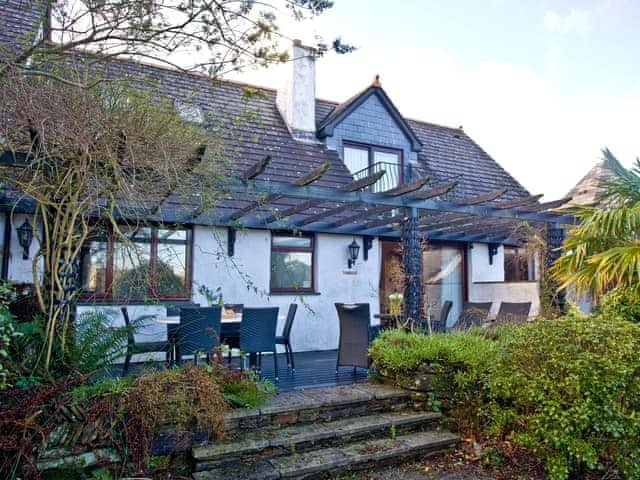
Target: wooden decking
(313,370)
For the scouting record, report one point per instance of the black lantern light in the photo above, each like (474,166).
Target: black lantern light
(354,250)
(25,237)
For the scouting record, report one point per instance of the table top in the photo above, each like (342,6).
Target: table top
(236,317)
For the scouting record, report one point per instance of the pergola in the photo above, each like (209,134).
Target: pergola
(410,212)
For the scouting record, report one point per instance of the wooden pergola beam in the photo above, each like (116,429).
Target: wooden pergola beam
(435,191)
(307,204)
(407,187)
(326,213)
(363,214)
(302,181)
(541,207)
(256,169)
(383,221)
(482,198)
(518,202)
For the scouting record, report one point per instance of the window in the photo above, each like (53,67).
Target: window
(291,263)
(151,263)
(363,160)
(518,265)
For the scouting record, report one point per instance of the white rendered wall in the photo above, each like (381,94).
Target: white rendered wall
(21,271)
(506,292)
(479,268)
(244,278)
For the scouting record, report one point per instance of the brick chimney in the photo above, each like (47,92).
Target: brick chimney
(296,98)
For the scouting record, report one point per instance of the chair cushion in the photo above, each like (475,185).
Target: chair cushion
(147,347)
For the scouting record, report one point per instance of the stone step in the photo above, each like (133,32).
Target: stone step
(321,404)
(332,461)
(298,438)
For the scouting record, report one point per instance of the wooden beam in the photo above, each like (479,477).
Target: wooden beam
(541,207)
(306,179)
(518,202)
(435,191)
(307,204)
(364,214)
(327,213)
(407,187)
(256,169)
(383,221)
(482,198)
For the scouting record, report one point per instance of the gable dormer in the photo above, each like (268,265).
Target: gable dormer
(370,134)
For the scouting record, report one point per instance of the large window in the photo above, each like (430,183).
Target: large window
(150,262)
(363,160)
(518,265)
(291,263)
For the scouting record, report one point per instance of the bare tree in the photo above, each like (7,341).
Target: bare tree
(216,36)
(86,157)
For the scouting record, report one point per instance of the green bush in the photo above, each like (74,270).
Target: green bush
(568,390)
(458,364)
(620,304)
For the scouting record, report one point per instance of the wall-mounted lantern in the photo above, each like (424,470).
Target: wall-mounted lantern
(354,250)
(493,251)
(25,237)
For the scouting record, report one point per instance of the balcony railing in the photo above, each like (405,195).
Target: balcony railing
(393,175)
(389,180)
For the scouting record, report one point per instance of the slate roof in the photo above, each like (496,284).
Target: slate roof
(589,189)
(249,127)
(17,19)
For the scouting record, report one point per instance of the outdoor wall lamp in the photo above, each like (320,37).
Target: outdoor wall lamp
(25,237)
(354,250)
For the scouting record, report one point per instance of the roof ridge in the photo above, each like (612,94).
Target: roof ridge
(434,124)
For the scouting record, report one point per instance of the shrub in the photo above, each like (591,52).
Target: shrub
(568,390)
(620,304)
(247,389)
(183,398)
(458,364)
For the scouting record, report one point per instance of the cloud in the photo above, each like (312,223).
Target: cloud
(576,21)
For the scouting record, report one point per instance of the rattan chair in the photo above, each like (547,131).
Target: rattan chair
(134,347)
(473,315)
(258,333)
(354,335)
(440,325)
(513,312)
(285,338)
(199,332)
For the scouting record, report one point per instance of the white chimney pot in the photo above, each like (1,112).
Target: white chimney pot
(296,99)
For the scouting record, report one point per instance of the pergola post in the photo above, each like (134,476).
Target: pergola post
(412,264)
(555,237)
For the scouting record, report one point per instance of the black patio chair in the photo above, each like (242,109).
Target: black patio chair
(258,333)
(285,338)
(513,312)
(134,348)
(232,341)
(440,325)
(198,332)
(354,335)
(473,315)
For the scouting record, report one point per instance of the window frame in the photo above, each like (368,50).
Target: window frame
(371,149)
(311,249)
(111,239)
(517,270)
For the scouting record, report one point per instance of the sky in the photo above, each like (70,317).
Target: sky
(542,86)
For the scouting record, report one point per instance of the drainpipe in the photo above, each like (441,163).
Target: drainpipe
(412,265)
(6,247)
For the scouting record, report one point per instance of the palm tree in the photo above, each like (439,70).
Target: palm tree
(603,251)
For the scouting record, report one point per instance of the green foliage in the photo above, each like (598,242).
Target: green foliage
(620,304)
(248,391)
(213,297)
(397,353)
(458,363)
(568,390)
(8,334)
(603,249)
(101,388)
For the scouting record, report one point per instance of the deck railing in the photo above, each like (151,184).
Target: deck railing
(389,180)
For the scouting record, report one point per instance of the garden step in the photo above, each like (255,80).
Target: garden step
(321,404)
(331,461)
(297,438)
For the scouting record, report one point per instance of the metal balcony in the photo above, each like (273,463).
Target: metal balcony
(389,180)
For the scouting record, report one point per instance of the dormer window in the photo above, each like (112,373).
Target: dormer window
(363,160)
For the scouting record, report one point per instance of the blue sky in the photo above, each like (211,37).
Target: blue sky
(542,86)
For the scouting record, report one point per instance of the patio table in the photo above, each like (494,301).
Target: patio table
(230,327)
